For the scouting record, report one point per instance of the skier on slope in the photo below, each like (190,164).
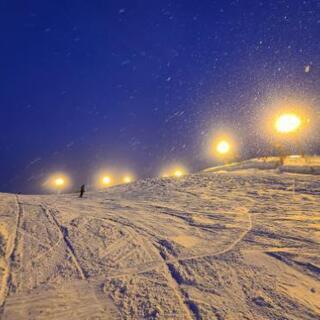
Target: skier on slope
(82,191)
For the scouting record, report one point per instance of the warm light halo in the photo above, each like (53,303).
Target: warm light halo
(288,123)
(176,171)
(106,180)
(282,118)
(127,179)
(59,182)
(223,147)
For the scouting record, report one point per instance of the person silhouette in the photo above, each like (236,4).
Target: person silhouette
(82,191)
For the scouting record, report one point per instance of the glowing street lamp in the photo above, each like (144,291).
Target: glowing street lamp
(223,147)
(59,182)
(106,180)
(178,173)
(288,123)
(127,179)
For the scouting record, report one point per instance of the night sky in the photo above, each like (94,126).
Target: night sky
(86,85)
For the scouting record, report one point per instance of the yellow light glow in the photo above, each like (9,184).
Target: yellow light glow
(106,180)
(178,173)
(174,171)
(59,182)
(127,179)
(223,147)
(287,123)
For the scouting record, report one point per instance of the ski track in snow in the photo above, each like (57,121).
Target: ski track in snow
(64,236)
(238,245)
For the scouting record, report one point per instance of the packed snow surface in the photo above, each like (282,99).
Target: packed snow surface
(230,245)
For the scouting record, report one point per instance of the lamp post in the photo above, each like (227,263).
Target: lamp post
(106,180)
(127,179)
(222,149)
(59,183)
(287,125)
(175,171)
(178,173)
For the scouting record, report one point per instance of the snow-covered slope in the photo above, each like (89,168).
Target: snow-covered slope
(231,245)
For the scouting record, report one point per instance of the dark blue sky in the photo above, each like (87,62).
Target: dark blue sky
(92,84)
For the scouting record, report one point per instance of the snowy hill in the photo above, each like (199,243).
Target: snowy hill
(213,245)
(294,164)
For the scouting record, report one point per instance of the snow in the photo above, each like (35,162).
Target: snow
(242,244)
(293,164)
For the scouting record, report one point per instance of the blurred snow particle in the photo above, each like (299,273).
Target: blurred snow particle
(125,62)
(122,11)
(168,79)
(70,144)
(307,68)
(34,161)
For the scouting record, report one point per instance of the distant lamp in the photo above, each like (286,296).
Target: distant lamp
(127,179)
(223,147)
(106,180)
(178,173)
(288,123)
(59,182)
